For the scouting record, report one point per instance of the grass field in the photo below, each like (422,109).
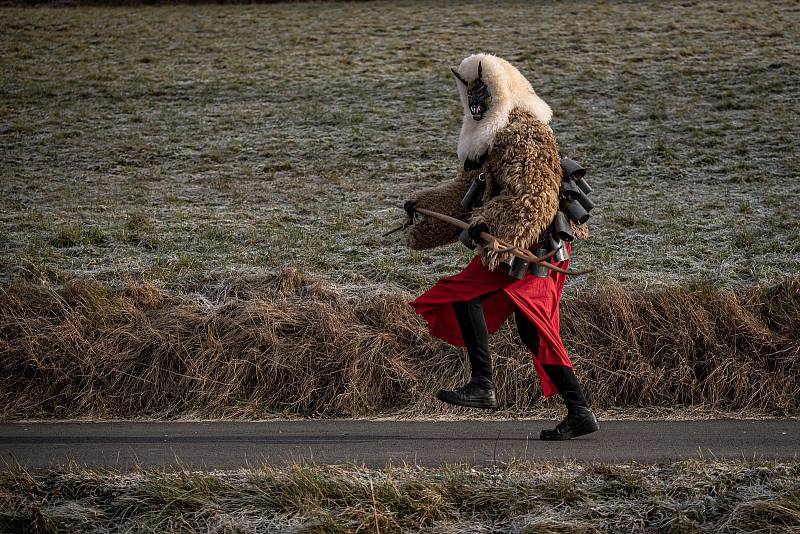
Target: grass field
(698,495)
(171,143)
(191,207)
(192,200)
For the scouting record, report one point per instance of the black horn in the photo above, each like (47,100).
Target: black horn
(457,75)
(480,69)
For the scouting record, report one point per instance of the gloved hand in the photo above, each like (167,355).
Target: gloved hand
(475,230)
(410,206)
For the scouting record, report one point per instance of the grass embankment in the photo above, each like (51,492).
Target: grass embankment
(224,142)
(181,140)
(688,496)
(293,345)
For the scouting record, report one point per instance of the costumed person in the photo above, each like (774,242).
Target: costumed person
(511,185)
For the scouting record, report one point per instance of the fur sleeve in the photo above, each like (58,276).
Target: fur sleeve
(429,232)
(526,167)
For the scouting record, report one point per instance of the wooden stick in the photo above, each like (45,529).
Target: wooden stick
(516,251)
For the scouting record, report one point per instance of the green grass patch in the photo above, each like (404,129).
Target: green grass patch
(73,234)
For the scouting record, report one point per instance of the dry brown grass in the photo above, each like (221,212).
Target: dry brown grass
(689,496)
(292,345)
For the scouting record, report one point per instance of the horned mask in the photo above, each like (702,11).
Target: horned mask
(478,93)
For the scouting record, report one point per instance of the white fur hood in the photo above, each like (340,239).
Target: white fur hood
(509,90)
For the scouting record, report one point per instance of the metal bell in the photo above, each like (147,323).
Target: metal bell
(585,201)
(475,192)
(518,268)
(555,243)
(466,240)
(584,185)
(570,190)
(571,169)
(574,210)
(540,270)
(561,227)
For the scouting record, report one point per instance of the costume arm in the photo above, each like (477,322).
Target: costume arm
(528,172)
(429,232)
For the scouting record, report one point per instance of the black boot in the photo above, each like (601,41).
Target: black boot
(579,420)
(479,391)
(472,394)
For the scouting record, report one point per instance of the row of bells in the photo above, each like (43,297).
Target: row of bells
(574,205)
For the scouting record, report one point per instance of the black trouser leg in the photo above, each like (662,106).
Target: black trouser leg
(472,323)
(527,332)
(567,383)
(562,376)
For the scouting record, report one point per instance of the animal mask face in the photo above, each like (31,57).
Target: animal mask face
(478,94)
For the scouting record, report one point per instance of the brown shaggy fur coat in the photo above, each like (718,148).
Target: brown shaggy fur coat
(523,177)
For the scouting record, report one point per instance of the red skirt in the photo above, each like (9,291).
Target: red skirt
(536,297)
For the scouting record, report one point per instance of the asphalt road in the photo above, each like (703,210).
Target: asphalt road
(227,445)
